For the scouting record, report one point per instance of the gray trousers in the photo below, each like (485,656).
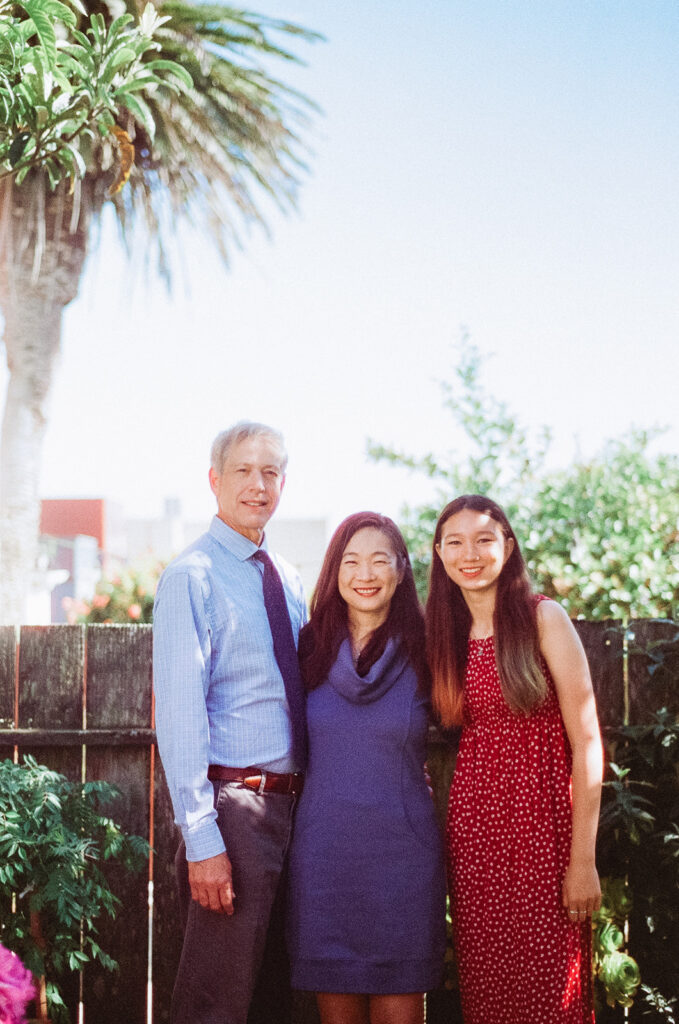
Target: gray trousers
(221,955)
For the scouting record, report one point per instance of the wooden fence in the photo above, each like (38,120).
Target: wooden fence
(80,700)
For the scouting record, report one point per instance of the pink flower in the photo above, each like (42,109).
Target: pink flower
(134,611)
(16,988)
(100,600)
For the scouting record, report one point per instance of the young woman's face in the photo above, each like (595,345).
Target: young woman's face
(473,550)
(369,573)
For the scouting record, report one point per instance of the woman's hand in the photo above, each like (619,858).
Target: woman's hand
(581,890)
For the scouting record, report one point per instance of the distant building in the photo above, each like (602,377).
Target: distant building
(81,537)
(85,537)
(301,541)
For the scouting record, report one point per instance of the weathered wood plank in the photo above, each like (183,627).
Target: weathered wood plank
(8,641)
(51,672)
(119,695)
(118,676)
(167,931)
(85,737)
(653,668)
(7,674)
(603,643)
(51,663)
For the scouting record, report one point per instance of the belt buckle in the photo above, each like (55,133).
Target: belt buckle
(262,784)
(254,781)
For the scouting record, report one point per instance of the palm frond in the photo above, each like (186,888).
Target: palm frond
(223,149)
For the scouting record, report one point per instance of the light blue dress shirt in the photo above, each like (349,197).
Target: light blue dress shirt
(220,697)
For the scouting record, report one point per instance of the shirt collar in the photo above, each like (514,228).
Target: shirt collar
(233,541)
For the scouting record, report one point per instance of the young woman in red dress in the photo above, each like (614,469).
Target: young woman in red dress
(508,666)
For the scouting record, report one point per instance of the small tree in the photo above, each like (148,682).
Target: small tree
(601,536)
(53,841)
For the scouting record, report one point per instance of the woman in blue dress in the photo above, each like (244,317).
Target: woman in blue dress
(366,917)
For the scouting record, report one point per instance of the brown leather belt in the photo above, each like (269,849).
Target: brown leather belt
(258,779)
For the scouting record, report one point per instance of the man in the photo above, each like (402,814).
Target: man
(228,725)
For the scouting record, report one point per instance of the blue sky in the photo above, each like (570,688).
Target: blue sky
(509,167)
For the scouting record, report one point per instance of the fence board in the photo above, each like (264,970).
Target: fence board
(7,679)
(51,660)
(119,694)
(603,643)
(167,933)
(650,689)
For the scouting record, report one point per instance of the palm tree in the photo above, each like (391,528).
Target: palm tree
(207,155)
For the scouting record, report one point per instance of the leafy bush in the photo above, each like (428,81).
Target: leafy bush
(53,840)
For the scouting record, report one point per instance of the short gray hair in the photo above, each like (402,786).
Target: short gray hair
(242,431)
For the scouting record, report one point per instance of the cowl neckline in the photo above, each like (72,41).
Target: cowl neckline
(344,678)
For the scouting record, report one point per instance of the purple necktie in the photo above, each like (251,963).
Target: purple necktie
(286,654)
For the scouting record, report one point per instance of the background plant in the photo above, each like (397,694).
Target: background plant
(54,839)
(126,596)
(601,536)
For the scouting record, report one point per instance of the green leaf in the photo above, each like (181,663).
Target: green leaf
(173,67)
(98,29)
(60,12)
(44,29)
(137,84)
(73,159)
(139,110)
(123,55)
(118,25)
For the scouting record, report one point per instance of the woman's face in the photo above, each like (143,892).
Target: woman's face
(473,550)
(369,573)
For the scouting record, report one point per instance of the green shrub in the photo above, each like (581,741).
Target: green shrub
(53,840)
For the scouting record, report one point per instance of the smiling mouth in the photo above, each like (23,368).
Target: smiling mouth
(471,572)
(367,591)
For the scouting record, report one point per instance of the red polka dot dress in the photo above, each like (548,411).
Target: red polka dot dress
(508,841)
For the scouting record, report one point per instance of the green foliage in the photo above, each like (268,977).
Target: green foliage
(605,542)
(639,837)
(601,536)
(615,971)
(61,87)
(125,597)
(53,840)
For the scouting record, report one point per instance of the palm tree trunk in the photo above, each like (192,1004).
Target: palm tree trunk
(41,260)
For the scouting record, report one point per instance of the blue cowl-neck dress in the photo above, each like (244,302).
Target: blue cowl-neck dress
(366,909)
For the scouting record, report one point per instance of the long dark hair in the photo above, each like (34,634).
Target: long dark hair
(321,638)
(448,621)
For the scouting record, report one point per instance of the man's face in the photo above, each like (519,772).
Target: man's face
(249,487)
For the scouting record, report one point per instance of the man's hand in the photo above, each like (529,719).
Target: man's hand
(211,884)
